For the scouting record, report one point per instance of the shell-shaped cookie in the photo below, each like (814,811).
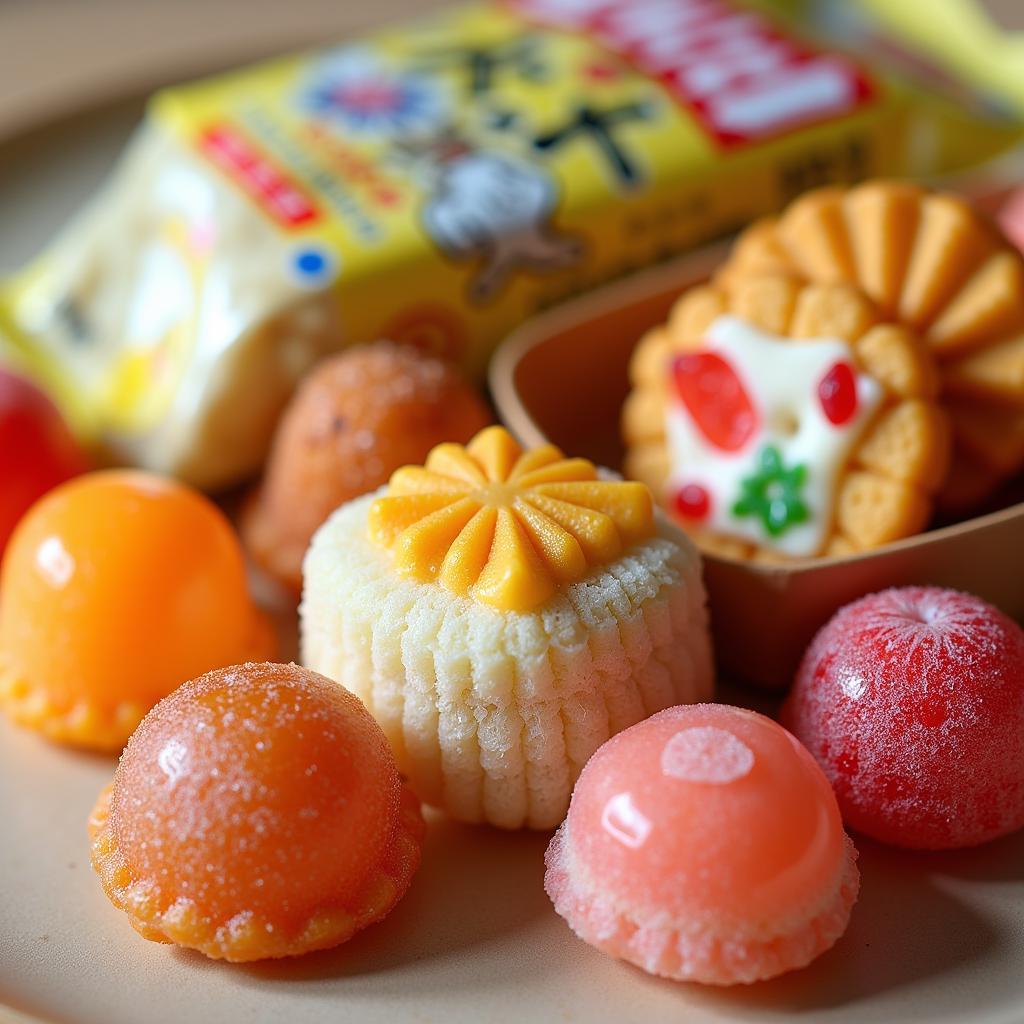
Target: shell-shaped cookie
(928,262)
(886,487)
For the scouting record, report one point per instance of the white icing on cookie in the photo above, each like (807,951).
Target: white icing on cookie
(778,414)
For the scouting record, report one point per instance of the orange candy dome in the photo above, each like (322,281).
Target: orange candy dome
(256,812)
(116,587)
(704,844)
(355,419)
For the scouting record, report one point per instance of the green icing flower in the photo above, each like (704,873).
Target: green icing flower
(772,493)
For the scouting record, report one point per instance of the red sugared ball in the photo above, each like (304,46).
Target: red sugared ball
(912,700)
(37,451)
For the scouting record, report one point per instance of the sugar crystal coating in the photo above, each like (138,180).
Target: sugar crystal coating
(704,844)
(705,753)
(260,793)
(263,789)
(912,701)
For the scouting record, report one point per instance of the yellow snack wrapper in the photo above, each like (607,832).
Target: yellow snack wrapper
(434,184)
(980,41)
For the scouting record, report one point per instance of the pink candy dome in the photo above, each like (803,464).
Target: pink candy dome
(704,844)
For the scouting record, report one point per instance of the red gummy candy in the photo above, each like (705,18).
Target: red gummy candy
(912,701)
(715,398)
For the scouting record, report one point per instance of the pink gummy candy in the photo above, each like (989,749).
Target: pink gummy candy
(704,844)
(912,701)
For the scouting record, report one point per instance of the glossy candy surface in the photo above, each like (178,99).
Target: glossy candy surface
(704,844)
(256,812)
(912,700)
(716,399)
(837,392)
(37,452)
(117,587)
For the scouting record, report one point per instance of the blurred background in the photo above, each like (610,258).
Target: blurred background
(56,54)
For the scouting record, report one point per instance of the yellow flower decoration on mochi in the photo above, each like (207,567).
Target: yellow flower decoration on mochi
(505,526)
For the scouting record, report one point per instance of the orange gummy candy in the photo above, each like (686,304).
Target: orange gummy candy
(256,812)
(116,587)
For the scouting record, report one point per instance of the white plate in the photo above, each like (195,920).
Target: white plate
(933,938)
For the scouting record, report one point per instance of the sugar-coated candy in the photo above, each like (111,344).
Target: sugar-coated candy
(704,844)
(912,701)
(117,587)
(256,812)
(355,419)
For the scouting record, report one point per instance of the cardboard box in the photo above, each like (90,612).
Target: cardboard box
(562,377)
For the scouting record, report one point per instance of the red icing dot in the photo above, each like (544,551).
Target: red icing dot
(837,393)
(693,501)
(912,701)
(715,398)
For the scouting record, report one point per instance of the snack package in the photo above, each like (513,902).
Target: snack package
(977,41)
(432,184)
